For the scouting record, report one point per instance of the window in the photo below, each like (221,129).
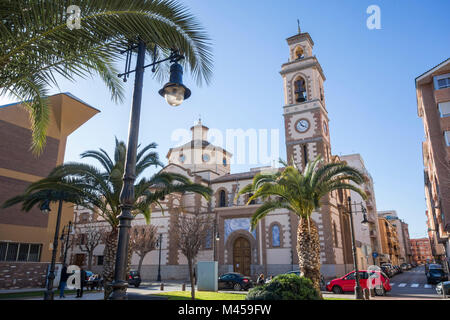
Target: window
(447,138)
(299,53)
(444,109)
(443,83)
(35,252)
(300,90)
(11,254)
(208,240)
(23,252)
(100,260)
(223,199)
(276,236)
(336,240)
(20,252)
(351,276)
(305,154)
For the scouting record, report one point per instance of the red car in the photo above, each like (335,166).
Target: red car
(347,282)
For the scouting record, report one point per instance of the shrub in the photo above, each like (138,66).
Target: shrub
(285,287)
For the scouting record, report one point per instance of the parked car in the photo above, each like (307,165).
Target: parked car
(398,269)
(347,282)
(404,266)
(435,275)
(297,272)
(134,278)
(443,286)
(94,282)
(388,269)
(235,281)
(429,266)
(409,266)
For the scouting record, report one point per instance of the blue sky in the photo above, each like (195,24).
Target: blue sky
(370,90)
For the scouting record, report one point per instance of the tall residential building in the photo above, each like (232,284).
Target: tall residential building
(402,234)
(433,106)
(390,246)
(406,241)
(26,238)
(421,250)
(367,238)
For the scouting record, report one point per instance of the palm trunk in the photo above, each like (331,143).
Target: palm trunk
(109,261)
(308,250)
(130,255)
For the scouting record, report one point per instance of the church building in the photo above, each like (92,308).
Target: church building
(272,247)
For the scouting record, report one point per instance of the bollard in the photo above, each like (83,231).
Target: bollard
(372,292)
(161,287)
(366,294)
(183,287)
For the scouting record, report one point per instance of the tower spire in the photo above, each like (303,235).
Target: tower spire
(298,26)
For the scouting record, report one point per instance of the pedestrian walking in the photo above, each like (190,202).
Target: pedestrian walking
(63,281)
(260,281)
(82,283)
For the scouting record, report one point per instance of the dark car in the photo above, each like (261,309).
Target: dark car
(436,275)
(235,281)
(429,266)
(134,278)
(443,286)
(387,271)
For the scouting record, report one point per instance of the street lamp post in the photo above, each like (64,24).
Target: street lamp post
(358,289)
(159,263)
(45,208)
(69,230)
(216,237)
(175,93)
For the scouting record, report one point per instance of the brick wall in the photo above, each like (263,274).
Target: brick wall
(17,275)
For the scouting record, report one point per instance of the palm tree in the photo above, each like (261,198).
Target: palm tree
(301,193)
(101,191)
(37,45)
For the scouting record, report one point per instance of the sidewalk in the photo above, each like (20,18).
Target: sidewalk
(145,290)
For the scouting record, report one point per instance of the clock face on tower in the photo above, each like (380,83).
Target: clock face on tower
(302,125)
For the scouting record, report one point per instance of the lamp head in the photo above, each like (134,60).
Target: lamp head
(45,207)
(175,92)
(365,221)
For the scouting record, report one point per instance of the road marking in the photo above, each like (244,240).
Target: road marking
(392,284)
(415,285)
(428,286)
(402,285)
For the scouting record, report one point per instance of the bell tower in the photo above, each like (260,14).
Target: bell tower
(307,136)
(305,114)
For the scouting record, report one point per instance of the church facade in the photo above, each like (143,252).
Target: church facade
(271,247)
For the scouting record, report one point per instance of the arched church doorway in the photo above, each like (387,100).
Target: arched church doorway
(242,256)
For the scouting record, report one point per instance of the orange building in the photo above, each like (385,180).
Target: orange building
(390,246)
(421,250)
(26,237)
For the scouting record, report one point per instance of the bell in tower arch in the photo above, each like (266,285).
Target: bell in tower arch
(300,90)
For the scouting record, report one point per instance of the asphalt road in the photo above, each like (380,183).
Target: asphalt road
(412,284)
